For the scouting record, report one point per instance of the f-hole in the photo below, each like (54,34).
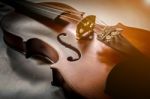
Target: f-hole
(70,58)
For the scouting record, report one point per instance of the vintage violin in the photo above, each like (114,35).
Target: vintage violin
(84,55)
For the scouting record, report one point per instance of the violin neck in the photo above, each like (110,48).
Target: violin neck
(33,8)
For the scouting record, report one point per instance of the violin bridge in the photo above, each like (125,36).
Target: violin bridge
(85,27)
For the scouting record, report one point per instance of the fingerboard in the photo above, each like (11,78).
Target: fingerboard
(34,8)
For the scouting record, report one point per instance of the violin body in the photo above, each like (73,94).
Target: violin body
(85,77)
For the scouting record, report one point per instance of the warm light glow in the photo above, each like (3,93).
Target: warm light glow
(147,2)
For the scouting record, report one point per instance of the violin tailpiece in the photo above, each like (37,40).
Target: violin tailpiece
(85,27)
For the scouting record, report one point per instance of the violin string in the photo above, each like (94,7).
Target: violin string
(69,10)
(101,24)
(44,7)
(83,22)
(72,14)
(54,7)
(61,15)
(41,7)
(74,19)
(70,18)
(100,28)
(67,17)
(98,21)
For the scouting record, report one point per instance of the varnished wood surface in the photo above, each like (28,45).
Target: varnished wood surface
(88,75)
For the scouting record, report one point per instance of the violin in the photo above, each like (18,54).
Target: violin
(84,56)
